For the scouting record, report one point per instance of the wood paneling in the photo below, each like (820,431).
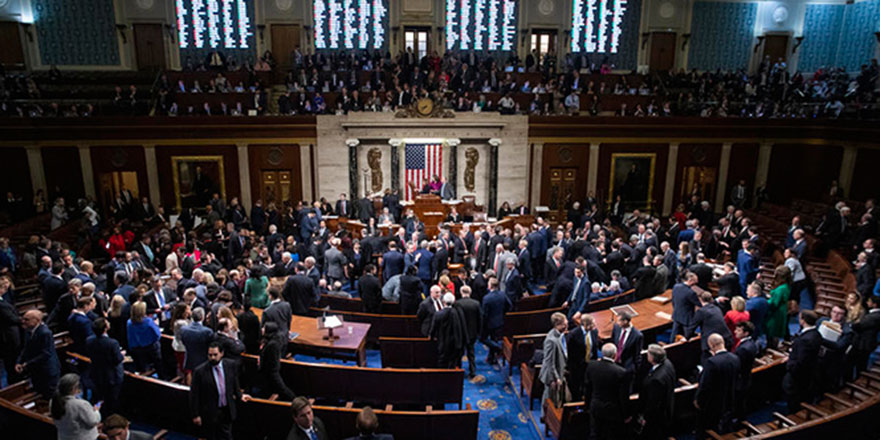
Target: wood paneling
(63,170)
(275,157)
(16,176)
(802,171)
(864,182)
(564,156)
(149,46)
(662,51)
(696,155)
(109,159)
(606,150)
(285,38)
(776,47)
(11,53)
(166,182)
(743,163)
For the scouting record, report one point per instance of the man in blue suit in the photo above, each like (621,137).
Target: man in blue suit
(684,303)
(495,305)
(423,260)
(80,325)
(580,294)
(746,264)
(307,226)
(535,242)
(106,368)
(38,355)
(392,262)
(195,338)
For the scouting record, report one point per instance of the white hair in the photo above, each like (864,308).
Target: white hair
(448,298)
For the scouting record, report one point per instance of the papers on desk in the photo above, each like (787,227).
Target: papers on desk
(330,321)
(292,335)
(663,315)
(661,299)
(624,308)
(831,331)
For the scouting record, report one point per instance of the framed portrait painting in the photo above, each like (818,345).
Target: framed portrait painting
(196,179)
(632,178)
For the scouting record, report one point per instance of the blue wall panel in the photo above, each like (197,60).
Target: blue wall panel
(821,36)
(857,41)
(76,32)
(721,35)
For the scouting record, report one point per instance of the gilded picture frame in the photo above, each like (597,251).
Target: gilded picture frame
(196,178)
(632,177)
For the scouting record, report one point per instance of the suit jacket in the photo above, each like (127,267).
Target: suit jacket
(866,330)
(392,264)
(717,391)
(279,313)
(495,305)
(299,291)
(203,394)
(513,285)
(801,370)
(298,434)
(447,192)
(370,292)
(728,285)
(195,338)
(631,355)
(473,317)
(747,268)
(577,353)
(657,393)
(106,356)
(38,352)
(581,298)
(411,289)
(555,358)
(425,315)
(339,210)
(334,263)
(152,301)
(606,385)
(80,330)
(53,287)
(746,351)
(684,304)
(710,320)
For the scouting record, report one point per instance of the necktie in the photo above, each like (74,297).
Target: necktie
(588,345)
(312,434)
(221,385)
(620,344)
(497,260)
(437,305)
(564,344)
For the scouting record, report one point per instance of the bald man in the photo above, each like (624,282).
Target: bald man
(716,396)
(38,356)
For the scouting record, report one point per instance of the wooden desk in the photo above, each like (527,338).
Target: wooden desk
(647,321)
(311,340)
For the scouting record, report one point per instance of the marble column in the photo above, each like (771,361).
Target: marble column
(764,153)
(723,170)
(452,177)
(152,174)
(593,169)
(353,168)
(536,165)
(847,165)
(669,189)
(493,174)
(395,162)
(88,174)
(244,175)
(38,174)
(305,160)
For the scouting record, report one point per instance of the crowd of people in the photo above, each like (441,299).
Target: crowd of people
(197,279)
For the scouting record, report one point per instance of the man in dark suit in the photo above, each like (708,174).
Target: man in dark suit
(715,398)
(684,304)
(431,305)
(628,341)
(38,355)
(702,270)
(343,206)
(746,264)
(299,291)
(160,300)
(728,284)
(657,394)
(214,395)
(80,324)
(195,338)
(801,371)
(365,210)
(579,298)
(305,425)
(710,320)
(512,282)
(116,427)
(495,305)
(278,311)
(392,262)
(606,387)
(473,320)
(583,348)
(53,286)
(10,335)
(370,290)
(746,350)
(106,367)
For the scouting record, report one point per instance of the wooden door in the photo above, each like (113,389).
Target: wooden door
(662,51)
(563,190)
(776,47)
(111,184)
(285,38)
(11,54)
(700,181)
(149,46)
(276,186)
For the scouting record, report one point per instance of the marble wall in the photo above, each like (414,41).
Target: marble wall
(473,129)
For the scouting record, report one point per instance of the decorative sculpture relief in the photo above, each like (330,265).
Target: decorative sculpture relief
(374,159)
(472,157)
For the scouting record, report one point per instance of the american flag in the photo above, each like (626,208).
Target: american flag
(423,161)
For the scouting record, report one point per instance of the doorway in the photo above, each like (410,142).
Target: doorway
(149,46)
(662,51)
(285,38)
(776,47)
(698,181)
(276,186)
(563,190)
(418,38)
(111,184)
(543,41)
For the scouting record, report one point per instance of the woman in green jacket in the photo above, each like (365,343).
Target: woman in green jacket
(255,288)
(777,316)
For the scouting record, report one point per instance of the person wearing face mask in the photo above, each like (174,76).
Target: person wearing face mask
(214,395)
